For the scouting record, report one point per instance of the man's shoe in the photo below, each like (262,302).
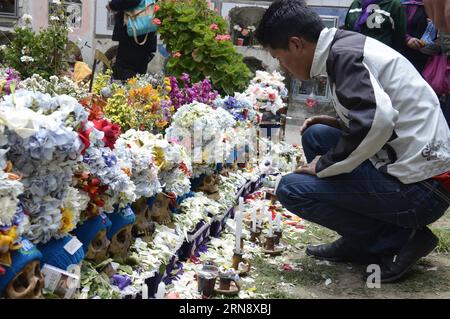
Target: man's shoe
(421,243)
(340,251)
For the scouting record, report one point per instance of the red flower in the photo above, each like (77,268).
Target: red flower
(156,21)
(185,169)
(99,202)
(156,8)
(84,137)
(176,55)
(286,267)
(214,26)
(112,131)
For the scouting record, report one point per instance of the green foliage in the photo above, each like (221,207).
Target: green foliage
(43,52)
(186,29)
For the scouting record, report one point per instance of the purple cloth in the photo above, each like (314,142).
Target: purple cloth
(364,14)
(410,9)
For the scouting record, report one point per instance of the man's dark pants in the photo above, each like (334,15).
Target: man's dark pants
(373,211)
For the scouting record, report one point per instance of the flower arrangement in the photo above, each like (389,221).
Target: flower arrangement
(199,92)
(171,161)
(11,214)
(101,176)
(239,106)
(194,210)
(246,32)
(267,91)
(44,149)
(200,120)
(140,106)
(9,80)
(54,86)
(139,160)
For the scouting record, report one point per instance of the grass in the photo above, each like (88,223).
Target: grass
(444,240)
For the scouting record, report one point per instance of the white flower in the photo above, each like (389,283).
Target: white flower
(3,47)
(26,59)
(54,18)
(27,18)
(57,2)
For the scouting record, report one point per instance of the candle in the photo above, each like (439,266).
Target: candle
(254,220)
(278,221)
(269,215)
(260,219)
(238,220)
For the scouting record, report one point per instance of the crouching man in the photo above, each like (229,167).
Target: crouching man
(378,174)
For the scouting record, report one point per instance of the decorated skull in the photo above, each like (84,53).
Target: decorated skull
(28,284)
(119,233)
(120,243)
(143,226)
(98,249)
(209,186)
(160,210)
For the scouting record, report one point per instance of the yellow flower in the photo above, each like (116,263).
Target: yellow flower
(160,159)
(132,81)
(66,221)
(161,124)
(7,240)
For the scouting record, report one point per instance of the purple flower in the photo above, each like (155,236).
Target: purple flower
(121,281)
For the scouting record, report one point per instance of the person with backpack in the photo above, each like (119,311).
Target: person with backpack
(134,53)
(379,172)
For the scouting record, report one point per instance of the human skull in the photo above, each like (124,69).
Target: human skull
(120,243)
(160,211)
(28,284)
(209,187)
(143,226)
(98,249)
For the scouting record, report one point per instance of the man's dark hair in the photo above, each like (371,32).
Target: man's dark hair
(285,19)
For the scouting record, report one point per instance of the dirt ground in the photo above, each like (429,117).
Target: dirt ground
(311,278)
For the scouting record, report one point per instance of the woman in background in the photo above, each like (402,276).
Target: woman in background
(417,22)
(132,58)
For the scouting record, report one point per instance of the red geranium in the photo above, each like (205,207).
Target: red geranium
(112,131)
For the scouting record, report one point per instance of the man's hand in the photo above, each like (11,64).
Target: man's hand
(319,119)
(309,168)
(415,44)
(439,12)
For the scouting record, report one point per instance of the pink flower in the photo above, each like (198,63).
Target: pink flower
(176,55)
(224,37)
(156,21)
(156,8)
(214,26)
(245,32)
